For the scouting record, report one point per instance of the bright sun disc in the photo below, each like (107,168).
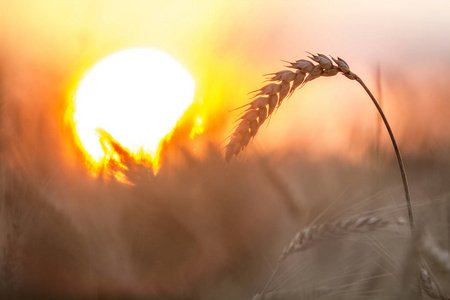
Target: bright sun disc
(136,96)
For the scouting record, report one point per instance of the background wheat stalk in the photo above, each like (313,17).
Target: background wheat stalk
(305,238)
(311,235)
(282,85)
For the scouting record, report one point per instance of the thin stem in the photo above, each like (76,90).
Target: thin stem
(379,125)
(397,152)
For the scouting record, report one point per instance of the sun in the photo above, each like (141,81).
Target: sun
(133,98)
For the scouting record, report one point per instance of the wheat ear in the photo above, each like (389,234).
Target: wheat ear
(306,238)
(430,287)
(282,85)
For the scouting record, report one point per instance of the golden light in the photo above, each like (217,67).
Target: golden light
(132,98)
(197,128)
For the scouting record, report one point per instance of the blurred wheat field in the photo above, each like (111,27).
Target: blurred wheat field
(203,229)
(317,187)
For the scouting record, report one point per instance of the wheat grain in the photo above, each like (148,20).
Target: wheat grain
(430,287)
(306,237)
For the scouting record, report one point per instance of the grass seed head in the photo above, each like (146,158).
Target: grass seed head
(242,127)
(250,116)
(303,65)
(262,115)
(343,66)
(259,102)
(430,287)
(324,62)
(284,91)
(330,72)
(273,100)
(246,136)
(307,237)
(315,73)
(282,85)
(284,75)
(254,126)
(270,89)
(299,78)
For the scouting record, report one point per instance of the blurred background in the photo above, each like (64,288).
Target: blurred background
(202,228)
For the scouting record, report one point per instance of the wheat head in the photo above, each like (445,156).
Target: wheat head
(307,237)
(282,85)
(430,286)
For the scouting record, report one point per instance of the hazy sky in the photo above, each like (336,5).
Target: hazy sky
(404,29)
(228,45)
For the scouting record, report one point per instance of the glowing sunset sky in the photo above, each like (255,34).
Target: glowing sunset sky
(228,45)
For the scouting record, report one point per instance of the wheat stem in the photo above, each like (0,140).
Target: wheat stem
(396,149)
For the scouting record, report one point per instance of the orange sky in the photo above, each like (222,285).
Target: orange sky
(228,45)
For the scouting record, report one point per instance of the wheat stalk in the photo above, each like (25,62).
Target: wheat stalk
(282,85)
(306,238)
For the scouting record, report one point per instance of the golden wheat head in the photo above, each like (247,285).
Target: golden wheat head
(282,85)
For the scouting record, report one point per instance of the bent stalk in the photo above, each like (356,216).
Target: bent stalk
(282,85)
(397,152)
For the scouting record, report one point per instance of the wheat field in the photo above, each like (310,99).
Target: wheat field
(299,187)
(257,227)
